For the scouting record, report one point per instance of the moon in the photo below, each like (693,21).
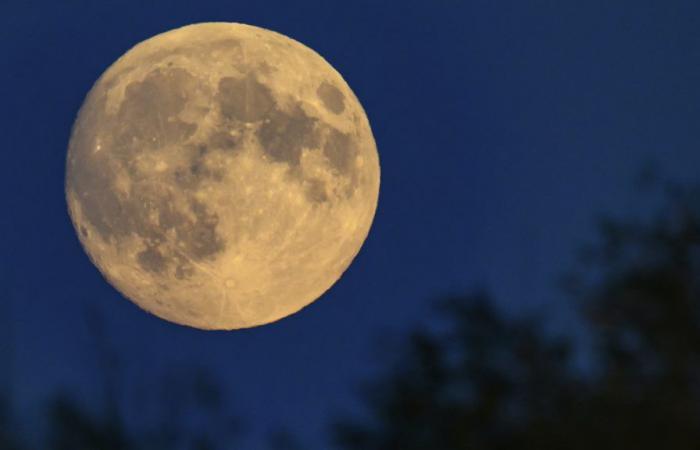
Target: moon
(221,175)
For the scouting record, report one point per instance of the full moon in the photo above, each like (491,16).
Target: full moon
(221,175)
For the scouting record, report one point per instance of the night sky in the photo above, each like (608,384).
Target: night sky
(503,129)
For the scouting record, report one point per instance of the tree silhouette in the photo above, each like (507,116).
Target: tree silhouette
(8,441)
(480,381)
(484,382)
(479,384)
(189,414)
(184,409)
(71,428)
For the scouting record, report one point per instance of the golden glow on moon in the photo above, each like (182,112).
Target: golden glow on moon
(222,175)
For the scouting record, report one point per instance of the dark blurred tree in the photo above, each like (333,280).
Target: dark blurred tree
(189,415)
(71,428)
(8,438)
(284,439)
(484,382)
(478,385)
(184,409)
(480,381)
(640,297)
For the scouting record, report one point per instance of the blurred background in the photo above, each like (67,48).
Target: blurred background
(531,279)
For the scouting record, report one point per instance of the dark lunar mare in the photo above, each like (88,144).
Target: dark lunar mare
(283,134)
(332,98)
(245,99)
(146,121)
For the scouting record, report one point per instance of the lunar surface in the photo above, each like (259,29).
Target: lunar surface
(221,175)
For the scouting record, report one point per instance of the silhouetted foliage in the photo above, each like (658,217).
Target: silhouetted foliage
(479,384)
(187,412)
(73,429)
(8,440)
(479,381)
(489,383)
(284,440)
(185,409)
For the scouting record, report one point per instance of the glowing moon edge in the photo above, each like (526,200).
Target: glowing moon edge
(175,234)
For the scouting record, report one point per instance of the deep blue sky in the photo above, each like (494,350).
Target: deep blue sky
(503,127)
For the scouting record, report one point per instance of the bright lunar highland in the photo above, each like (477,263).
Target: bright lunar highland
(221,175)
